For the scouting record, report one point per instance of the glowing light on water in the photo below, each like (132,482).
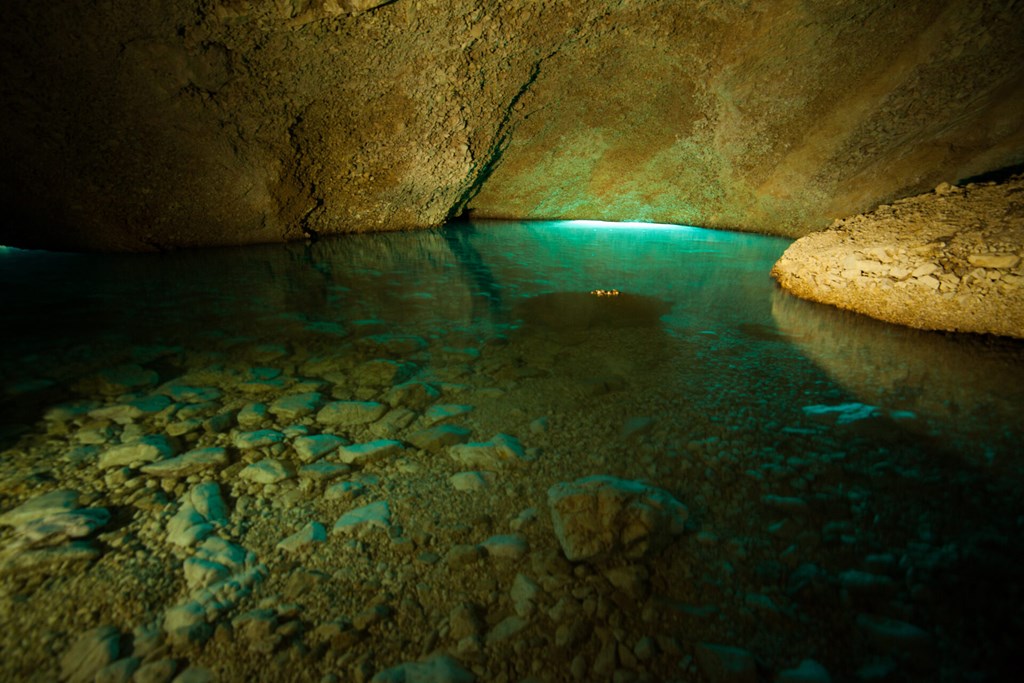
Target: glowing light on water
(621,225)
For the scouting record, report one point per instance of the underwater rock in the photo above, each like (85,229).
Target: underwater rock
(372,451)
(251,415)
(506,546)
(441,436)
(373,515)
(244,441)
(435,669)
(471,481)
(442,412)
(383,373)
(296,406)
(350,413)
(147,449)
(598,516)
(499,452)
(187,464)
(314,532)
(809,671)
(91,651)
(310,448)
(267,471)
(40,507)
(416,395)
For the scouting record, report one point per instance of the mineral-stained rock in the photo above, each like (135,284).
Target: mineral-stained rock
(598,516)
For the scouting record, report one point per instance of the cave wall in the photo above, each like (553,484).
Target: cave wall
(168,123)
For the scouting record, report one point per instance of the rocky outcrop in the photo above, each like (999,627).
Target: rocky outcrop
(949,260)
(164,124)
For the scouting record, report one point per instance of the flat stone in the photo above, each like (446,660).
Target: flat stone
(149,448)
(344,490)
(725,664)
(123,378)
(445,411)
(500,452)
(118,672)
(42,560)
(471,481)
(158,671)
(267,471)
(373,451)
(435,669)
(251,415)
(381,372)
(258,439)
(368,516)
(323,471)
(892,635)
(439,437)
(310,448)
(350,413)
(296,406)
(208,502)
(415,395)
(506,628)
(314,532)
(40,507)
(91,652)
(64,525)
(506,546)
(598,516)
(994,260)
(183,393)
(186,464)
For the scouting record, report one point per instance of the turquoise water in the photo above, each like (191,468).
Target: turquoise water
(694,373)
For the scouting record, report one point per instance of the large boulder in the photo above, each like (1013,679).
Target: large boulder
(599,516)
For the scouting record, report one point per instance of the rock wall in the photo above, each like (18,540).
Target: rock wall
(168,123)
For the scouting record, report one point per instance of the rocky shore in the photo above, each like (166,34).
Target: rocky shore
(949,260)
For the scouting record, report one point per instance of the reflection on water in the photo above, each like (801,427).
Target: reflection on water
(808,443)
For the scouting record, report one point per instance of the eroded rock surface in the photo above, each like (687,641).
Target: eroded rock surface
(156,125)
(949,260)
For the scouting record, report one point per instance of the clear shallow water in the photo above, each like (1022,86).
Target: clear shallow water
(700,376)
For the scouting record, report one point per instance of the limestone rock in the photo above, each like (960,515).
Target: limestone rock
(446,411)
(296,406)
(267,471)
(598,516)
(350,413)
(40,507)
(314,532)
(91,652)
(439,437)
(500,452)
(147,449)
(435,669)
(189,463)
(310,448)
(368,516)
(373,451)
(471,481)
(260,438)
